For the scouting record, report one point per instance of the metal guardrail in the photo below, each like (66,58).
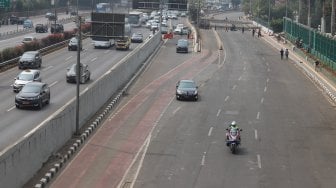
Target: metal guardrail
(43,51)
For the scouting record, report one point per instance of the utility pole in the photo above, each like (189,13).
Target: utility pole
(332,17)
(79,39)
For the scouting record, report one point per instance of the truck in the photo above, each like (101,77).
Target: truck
(123,43)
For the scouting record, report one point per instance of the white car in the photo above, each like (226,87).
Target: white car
(102,42)
(155,26)
(28,39)
(25,77)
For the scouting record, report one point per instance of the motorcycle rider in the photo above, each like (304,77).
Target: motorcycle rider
(232,126)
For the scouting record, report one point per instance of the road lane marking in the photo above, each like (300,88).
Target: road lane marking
(177,109)
(268,70)
(203,159)
(244,68)
(48,68)
(210,131)
(94,59)
(226,98)
(68,58)
(218,112)
(259,161)
(240,77)
(256,134)
(234,87)
(263,58)
(106,51)
(262,100)
(265,89)
(11,108)
(53,84)
(267,80)
(258,115)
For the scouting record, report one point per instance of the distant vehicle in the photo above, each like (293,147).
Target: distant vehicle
(84,73)
(182,46)
(183,14)
(103,8)
(102,42)
(30,59)
(33,94)
(136,18)
(154,26)
(164,30)
(73,44)
(25,77)
(137,38)
(13,19)
(186,89)
(28,39)
(123,43)
(41,28)
(27,24)
(56,28)
(149,23)
(51,16)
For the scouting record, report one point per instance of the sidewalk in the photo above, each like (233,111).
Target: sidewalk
(323,78)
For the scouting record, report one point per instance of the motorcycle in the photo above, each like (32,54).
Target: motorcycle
(233,139)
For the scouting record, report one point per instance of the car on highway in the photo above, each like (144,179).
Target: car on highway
(33,94)
(31,60)
(26,76)
(164,30)
(137,38)
(154,26)
(84,73)
(51,16)
(27,24)
(73,44)
(182,46)
(28,39)
(102,42)
(41,28)
(56,28)
(186,89)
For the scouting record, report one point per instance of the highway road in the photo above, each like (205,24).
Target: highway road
(14,40)
(17,123)
(153,140)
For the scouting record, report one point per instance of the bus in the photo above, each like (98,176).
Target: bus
(103,8)
(136,18)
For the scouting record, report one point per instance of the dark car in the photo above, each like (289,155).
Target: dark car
(84,73)
(186,89)
(56,28)
(137,38)
(182,46)
(13,20)
(33,94)
(30,59)
(41,28)
(51,16)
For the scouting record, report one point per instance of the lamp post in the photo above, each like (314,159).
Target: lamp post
(79,44)
(269,14)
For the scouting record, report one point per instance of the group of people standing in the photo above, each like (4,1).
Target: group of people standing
(284,52)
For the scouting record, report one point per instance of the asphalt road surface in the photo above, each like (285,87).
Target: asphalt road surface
(153,140)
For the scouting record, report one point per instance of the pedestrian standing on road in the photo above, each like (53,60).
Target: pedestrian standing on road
(243,29)
(281,53)
(253,32)
(286,53)
(317,65)
(259,33)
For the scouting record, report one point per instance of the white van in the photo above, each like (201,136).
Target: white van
(102,42)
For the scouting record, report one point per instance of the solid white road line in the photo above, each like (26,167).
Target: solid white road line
(68,58)
(48,68)
(259,161)
(210,131)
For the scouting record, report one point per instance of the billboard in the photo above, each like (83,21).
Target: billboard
(146,4)
(107,25)
(178,5)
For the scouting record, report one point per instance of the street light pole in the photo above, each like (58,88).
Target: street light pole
(79,44)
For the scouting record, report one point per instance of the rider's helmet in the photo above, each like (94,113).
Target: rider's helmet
(233,124)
